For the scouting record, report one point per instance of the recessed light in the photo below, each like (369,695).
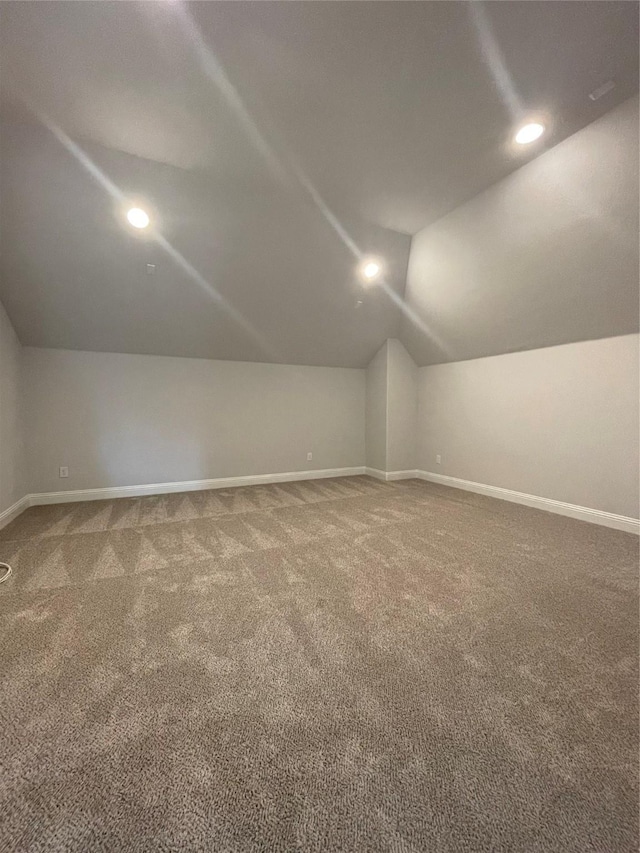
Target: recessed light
(138,217)
(529,133)
(370,270)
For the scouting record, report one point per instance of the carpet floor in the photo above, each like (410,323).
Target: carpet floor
(335,665)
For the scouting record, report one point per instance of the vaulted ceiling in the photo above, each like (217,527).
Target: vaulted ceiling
(275,144)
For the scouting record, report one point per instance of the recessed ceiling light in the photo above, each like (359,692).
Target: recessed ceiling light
(138,217)
(370,270)
(529,133)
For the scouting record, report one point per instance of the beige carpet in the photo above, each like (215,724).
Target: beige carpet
(340,665)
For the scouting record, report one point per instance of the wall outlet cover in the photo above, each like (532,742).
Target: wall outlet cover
(64,471)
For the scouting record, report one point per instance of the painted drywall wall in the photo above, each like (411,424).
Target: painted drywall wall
(12,458)
(402,407)
(548,255)
(119,420)
(376,410)
(560,422)
(391,409)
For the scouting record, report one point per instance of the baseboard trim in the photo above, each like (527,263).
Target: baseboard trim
(400,475)
(582,513)
(14,510)
(376,472)
(388,476)
(187,486)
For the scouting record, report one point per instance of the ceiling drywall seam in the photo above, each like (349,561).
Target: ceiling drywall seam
(402,306)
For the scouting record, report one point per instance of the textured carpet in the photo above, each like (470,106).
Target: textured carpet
(340,665)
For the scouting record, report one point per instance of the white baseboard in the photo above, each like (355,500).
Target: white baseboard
(187,486)
(376,472)
(387,476)
(595,516)
(401,475)
(583,513)
(14,511)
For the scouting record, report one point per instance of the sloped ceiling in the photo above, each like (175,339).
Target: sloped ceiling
(274,144)
(549,255)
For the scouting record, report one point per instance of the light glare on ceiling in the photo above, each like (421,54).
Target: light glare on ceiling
(529,133)
(138,217)
(370,270)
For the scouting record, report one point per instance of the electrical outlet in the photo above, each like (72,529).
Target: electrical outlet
(438,459)
(309,457)
(64,471)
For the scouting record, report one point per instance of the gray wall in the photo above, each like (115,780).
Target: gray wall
(402,407)
(12,459)
(560,422)
(549,255)
(118,420)
(376,410)
(391,409)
